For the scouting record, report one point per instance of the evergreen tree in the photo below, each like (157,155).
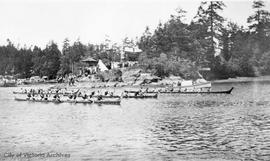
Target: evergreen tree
(65,66)
(38,60)
(208,15)
(259,25)
(260,19)
(51,58)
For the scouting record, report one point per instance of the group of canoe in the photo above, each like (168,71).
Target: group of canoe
(107,97)
(60,96)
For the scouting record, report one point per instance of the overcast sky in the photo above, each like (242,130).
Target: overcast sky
(36,22)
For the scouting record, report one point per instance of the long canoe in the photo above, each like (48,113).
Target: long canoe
(189,92)
(67,94)
(62,93)
(141,96)
(114,102)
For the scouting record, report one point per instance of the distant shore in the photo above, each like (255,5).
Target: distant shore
(244,79)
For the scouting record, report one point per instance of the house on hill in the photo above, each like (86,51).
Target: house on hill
(131,53)
(129,57)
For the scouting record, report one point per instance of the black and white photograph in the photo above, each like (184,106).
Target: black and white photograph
(134,80)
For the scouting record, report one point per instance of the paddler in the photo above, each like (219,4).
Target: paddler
(93,93)
(46,96)
(111,94)
(41,95)
(29,95)
(70,96)
(136,93)
(125,93)
(56,96)
(85,96)
(99,97)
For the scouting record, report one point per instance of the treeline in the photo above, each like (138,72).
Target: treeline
(209,40)
(51,62)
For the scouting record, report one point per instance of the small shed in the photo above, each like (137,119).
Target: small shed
(89,65)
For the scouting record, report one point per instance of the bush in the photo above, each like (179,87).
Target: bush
(264,63)
(163,66)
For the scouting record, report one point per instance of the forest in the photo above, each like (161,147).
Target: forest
(173,48)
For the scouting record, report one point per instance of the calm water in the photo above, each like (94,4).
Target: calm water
(172,127)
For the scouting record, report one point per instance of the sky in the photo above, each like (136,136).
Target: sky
(36,22)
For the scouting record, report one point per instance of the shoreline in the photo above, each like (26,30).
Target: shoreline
(111,85)
(244,79)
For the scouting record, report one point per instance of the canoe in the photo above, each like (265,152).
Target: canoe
(37,100)
(22,92)
(141,96)
(108,96)
(113,102)
(190,92)
(67,94)
(18,92)
(8,84)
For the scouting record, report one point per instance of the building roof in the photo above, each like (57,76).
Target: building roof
(132,50)
(89,59)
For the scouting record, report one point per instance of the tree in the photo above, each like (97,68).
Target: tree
(24,63)
(71,55)
(77,52)
(208,16)
(10,57)
(260,18)
(145,43)
(65,65)
(259,25)
(37,59)
(265,63)
(51,58)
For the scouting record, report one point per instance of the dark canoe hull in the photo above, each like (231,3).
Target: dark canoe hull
(103,96)
(9,85)
(113,102)
(154,96)
(38,100)
(15,92)
(116,102)
(191,92)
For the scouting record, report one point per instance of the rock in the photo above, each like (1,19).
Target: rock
(84,79)
(130,76)
(146,78)
(171,80)
(36,79)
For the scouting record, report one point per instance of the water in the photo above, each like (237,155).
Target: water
(172,127)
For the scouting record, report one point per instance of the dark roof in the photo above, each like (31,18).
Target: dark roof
(89,59)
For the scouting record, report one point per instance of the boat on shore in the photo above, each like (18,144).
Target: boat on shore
(111,102)
(8,84)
